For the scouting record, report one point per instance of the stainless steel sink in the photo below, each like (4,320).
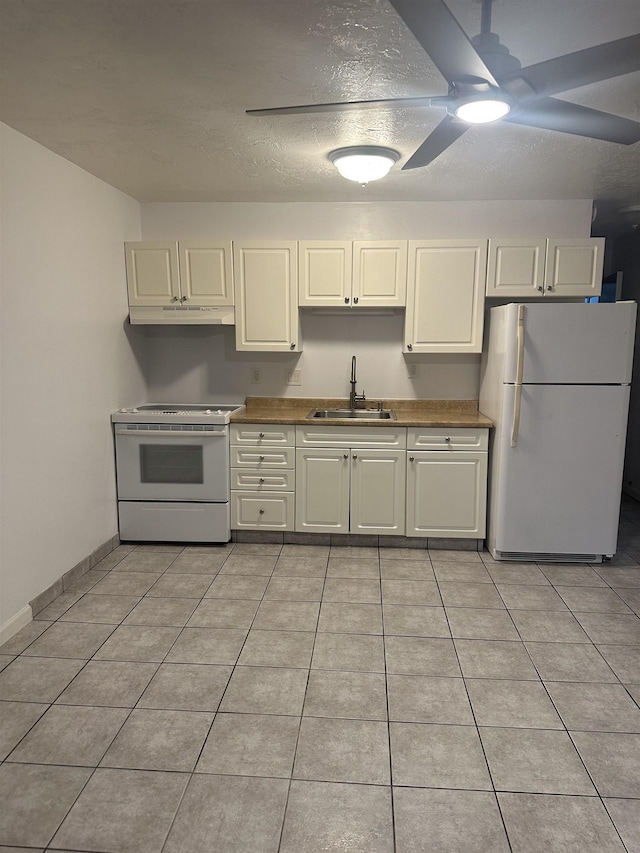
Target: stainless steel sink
(358,414)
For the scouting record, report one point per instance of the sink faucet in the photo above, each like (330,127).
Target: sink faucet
(353,396)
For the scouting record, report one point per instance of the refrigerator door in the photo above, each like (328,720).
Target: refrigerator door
(557,492)
(571,343)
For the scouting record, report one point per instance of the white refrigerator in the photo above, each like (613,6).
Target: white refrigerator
(555,381)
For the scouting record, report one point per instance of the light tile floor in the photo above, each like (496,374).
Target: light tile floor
(265,699)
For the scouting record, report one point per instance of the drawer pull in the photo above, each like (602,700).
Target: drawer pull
(261,511)
(447,439)
(261,434)
(262,479)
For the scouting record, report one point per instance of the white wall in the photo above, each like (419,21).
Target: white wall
(66,364)
(201,364)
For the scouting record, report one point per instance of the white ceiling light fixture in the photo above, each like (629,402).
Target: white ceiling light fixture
(482,110)
(364,163)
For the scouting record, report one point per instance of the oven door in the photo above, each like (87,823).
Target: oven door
(172,462)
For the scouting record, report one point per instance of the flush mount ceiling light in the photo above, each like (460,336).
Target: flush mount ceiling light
(363,163)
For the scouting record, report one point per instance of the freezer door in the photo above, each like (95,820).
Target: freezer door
(572,343)
(558,489)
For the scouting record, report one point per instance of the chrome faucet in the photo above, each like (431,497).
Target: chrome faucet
(353,396)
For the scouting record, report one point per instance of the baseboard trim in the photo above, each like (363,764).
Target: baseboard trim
(15,624)
(74,574)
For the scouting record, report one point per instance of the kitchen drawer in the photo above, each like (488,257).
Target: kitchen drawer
(443,438)
(263,481)
(262,457)
(261,434)
(347,436)
(268,511)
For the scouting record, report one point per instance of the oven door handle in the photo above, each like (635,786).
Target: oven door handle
(168,433)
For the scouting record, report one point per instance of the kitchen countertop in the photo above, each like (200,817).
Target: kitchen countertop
(419,413)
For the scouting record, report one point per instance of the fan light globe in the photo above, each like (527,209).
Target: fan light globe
(363,163)
(482,111)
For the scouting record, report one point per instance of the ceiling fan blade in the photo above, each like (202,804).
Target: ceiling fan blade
(580,68)
(553,114)
(423,101)
(443,39)
(445,134)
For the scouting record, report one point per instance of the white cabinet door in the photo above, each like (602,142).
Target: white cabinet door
(378,491)
(152,273)
(574,267)
(445,296)
(266,296)
(322,490)
(206,272)
(325,272)
(380,273)
(516,267)
(446,494)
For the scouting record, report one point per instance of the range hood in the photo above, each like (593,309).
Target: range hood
(180,315)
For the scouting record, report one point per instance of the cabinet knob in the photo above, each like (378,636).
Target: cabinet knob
(412,459)
(355,300)
(346,300)
(345,456)
(261,511)
(355,455)
(262,458)
(409,346)
(447,439)
(184,298)
(261,435)
(174,299)
(540,288)
(549,287)
(262,479)
(292,346)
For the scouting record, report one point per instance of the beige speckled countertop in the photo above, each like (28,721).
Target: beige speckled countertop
(425,413)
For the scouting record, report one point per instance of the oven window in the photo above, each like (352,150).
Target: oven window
(171,463)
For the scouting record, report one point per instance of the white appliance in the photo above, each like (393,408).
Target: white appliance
(555,381)
(172,468)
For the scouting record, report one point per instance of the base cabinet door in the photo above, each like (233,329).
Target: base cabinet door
(322,490)
(446,494)
(378,492)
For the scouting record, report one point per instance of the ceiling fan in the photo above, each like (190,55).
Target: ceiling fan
(482,74)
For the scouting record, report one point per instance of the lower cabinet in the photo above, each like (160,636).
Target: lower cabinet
(350,490)
(447,483)
(262,477)
(350,479)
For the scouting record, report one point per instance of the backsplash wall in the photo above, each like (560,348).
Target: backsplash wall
(201,363)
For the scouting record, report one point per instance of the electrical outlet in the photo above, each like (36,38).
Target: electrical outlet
(256,376)
(412,371)
(294,377)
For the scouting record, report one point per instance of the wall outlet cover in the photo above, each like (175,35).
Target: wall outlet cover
(294,377)
(256,376)
(412,370)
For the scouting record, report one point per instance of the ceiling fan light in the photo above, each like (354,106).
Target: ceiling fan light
(482,110)
(364,163)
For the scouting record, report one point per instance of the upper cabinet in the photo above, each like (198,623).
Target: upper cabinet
(545,267)
(266,276)
(445,295)
(363,273)
(191,272)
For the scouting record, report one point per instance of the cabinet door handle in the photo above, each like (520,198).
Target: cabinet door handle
(260,435)
(549,287)
(447,439)
(540,288)
(261,511)
(346,300)
(355,455)
(345,456)
(174,299)
(261,458)
(355,300)
(412,459)
(184,298)
(262,479)
(409,346)
(292,346)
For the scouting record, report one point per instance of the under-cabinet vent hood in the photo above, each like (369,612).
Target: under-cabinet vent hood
(160,315)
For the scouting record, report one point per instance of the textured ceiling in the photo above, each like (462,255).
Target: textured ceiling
(150,96)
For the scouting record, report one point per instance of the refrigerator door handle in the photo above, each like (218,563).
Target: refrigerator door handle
(519,373)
